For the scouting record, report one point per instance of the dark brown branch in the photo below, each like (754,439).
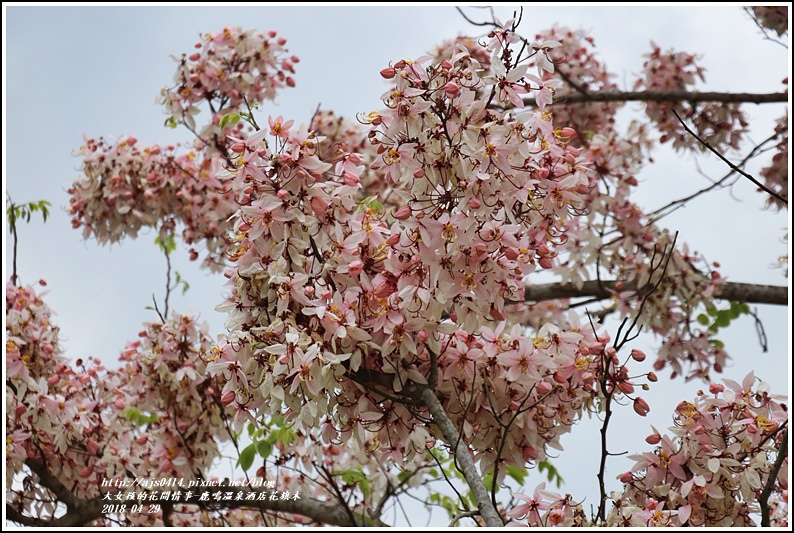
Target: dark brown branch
(728,162)
(734,292)
(763,499)
(668,96)
(462,456)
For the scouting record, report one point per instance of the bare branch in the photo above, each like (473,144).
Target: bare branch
(727,162)
(667,96)
(734,292)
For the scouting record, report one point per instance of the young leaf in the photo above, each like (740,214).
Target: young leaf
(246,458)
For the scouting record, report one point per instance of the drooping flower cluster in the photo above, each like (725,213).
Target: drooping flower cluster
(722,125)
(776,174)
(232,68)
(339,310)
(713,468)
(126,187)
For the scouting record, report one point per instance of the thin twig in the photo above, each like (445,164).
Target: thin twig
(727,162)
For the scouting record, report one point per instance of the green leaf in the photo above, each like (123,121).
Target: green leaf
(246,458)
(229,120)
(169,245)
(703,319)
(264,448)
(133,415)
(551,472)
(488,481)
(519,474)
(170,122)
(353,476)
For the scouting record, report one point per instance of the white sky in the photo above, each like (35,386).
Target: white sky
(97,70)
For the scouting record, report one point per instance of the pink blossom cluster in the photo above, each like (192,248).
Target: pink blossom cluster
(774,18)
(58,414)
(369,262)
(337,305)
(776,174)
(578,69)
(80,424)
(126,187)
(722,125)
(230,69)
(713,467)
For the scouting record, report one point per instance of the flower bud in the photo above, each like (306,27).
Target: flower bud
(652,377)
(638,355)
(474,203)
(626,477)
(92,447)
(388,73)
(546,263)
(529,453)
(355,268)
(626,387)
(641,407)
(544,387)
(452,89)
(568,133)
(228,397)
(653,438)
(238,147)
(319,205)
(403,213)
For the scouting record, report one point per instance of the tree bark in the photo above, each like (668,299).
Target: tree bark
(667,96)
(461,450)
(735,292)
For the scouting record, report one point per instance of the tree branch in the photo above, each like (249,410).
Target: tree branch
(763,499)
(734,292)
(463,457)
(667,96)
(728,162)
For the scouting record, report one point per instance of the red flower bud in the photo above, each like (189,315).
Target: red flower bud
(653,438)
(403,213)
(638,355)
(228,397)
(388,73)
(716,388)
(641,407)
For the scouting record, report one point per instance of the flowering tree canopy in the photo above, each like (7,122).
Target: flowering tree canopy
(404,300)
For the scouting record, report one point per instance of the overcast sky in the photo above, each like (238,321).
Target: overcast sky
(70,71)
